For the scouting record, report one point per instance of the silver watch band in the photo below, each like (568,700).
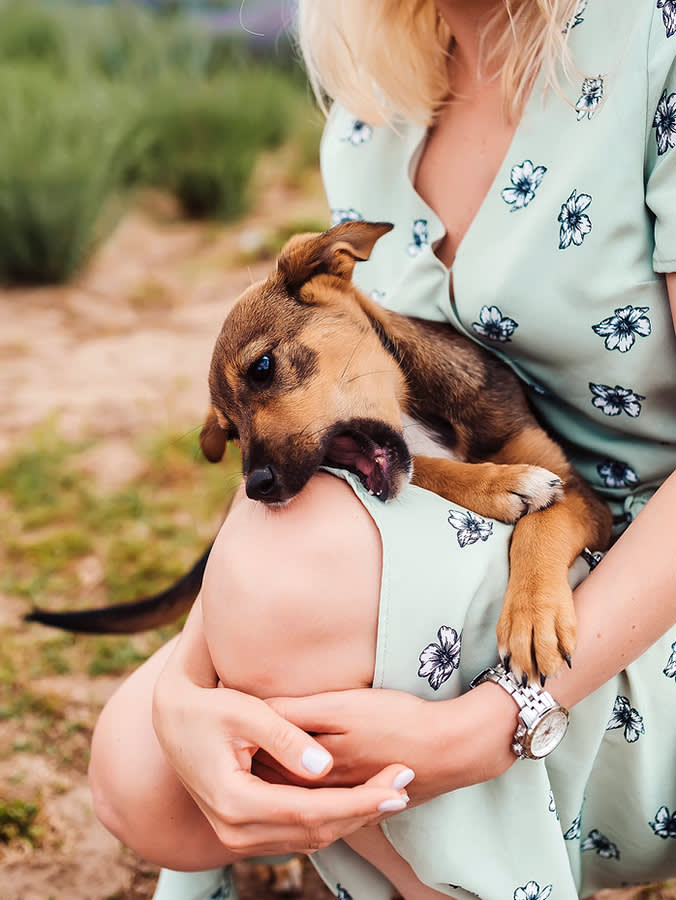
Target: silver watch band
(534,703)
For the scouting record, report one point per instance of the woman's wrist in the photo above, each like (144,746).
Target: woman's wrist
(478,729)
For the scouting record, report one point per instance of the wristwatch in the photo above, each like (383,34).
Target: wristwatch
(542,721)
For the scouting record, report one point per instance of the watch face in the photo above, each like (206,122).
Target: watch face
(548,732)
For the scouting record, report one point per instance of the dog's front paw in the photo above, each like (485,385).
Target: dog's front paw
(536,488)
(519,489)
(537,632)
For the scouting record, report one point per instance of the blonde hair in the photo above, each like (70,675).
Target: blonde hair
(387,59)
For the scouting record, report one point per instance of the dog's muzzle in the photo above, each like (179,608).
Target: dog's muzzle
(371,449)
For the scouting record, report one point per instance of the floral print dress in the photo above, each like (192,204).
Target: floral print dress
(560,274)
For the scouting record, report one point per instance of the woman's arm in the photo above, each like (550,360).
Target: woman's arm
(671,288)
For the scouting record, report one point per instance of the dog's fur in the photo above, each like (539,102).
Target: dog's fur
(308,371)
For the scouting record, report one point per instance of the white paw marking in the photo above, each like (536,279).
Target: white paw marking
(538,489)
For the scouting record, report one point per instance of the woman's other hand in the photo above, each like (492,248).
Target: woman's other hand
(449,744)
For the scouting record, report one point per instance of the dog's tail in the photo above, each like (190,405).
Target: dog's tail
(128,618)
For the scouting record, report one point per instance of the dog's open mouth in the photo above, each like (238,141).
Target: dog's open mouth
(374,452)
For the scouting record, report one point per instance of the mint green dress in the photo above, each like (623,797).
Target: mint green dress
(561,275)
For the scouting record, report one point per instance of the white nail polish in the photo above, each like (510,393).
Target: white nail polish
(402,779)
(395,804)
(315,759)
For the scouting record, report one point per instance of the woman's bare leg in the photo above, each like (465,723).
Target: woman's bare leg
(318,553)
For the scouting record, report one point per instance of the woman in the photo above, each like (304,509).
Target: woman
(530,173)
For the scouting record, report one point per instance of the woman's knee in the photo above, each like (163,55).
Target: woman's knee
(299,578)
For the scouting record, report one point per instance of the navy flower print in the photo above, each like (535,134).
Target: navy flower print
(224,890)
(575,223)
(493,325)
(439,661)
(620,330)
(664,825)
(378,296)
(338,216)
(532,891)
(664,123)
(670,669)
(613,401)
(668,8)
(617,474)
(590,97)
(420,237)
(525,180)
(577,18)
(625,716)
(342,894)
(358,133)
(573,833)
(552,805)
(600,843)
(470,527)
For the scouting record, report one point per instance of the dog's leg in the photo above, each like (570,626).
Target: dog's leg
(500,491)
(537,626)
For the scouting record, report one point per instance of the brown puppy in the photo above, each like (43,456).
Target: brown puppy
(307,370)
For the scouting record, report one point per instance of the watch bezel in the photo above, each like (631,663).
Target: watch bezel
(531,735)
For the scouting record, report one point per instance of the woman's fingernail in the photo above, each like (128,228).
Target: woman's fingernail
(394,804)
(315,759)
(402,779)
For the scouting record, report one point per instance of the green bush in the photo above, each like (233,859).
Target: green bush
(33,32)
(63,148)
(97,100)
(203,137)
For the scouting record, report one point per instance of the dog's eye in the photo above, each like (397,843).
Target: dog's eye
(261,370)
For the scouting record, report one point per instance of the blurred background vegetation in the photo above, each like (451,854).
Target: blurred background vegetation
(120,121)
(99,100)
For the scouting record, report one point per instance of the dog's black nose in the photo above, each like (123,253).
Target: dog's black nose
(260,483)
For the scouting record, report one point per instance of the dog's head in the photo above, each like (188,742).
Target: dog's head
(300,378)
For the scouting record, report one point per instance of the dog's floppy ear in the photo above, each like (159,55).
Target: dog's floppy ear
(334,252)
(214,436)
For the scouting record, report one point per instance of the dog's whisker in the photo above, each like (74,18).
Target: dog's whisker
(366,375)
(351,357)
(185,434)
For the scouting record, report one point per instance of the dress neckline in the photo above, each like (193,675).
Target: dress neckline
(437,229)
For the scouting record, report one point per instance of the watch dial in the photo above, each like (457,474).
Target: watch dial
(548,733)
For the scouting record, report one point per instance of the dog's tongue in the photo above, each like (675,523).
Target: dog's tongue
(344,451)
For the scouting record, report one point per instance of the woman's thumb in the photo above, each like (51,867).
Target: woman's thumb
(292,747)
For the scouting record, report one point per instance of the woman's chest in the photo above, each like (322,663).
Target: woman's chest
(460,160)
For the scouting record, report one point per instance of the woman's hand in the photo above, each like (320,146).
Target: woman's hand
(209,736)
(449,744)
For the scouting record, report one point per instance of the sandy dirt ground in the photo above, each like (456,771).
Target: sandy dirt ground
(123,350)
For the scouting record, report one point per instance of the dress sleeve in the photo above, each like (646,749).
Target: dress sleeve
(661,134)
